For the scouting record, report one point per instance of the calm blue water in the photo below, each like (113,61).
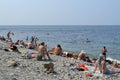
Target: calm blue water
(72,38)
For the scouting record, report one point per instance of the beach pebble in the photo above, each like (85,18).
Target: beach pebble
(14,67)
(11,63)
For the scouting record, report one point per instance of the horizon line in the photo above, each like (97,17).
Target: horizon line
(55,25)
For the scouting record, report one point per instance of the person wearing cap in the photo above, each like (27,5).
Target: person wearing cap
(82,55)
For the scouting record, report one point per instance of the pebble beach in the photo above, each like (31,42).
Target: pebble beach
(30,69)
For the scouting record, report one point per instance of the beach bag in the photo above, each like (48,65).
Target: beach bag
(6,50)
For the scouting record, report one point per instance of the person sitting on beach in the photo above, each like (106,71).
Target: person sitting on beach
(42,51)
(58,50)
(82,55)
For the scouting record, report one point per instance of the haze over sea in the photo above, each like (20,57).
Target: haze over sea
(72,37)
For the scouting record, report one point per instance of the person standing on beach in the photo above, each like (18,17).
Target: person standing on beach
(27,38)
(104,50)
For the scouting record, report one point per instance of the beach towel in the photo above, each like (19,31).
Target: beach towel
(31,55)
(82,67)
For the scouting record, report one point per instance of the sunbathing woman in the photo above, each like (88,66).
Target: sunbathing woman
(115,64)
(82,55)
(30,45)
(12,47)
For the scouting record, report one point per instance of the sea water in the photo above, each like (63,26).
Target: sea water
(75,38)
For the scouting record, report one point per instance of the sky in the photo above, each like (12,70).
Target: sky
(59,12)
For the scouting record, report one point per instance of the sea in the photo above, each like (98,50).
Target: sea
(72,38)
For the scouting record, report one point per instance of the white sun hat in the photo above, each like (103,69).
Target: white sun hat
(82,51)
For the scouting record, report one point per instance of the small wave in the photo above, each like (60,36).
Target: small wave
(111,59)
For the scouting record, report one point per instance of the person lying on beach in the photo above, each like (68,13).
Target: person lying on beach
(30,45)
(82,55)
(22,44)
(115,64)
(68,54)
(87,59)
(42,52)
(57,50)
(17,42)
(2,38)
(12,47)
(101,64)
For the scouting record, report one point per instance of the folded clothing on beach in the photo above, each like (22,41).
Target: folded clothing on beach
(82,67)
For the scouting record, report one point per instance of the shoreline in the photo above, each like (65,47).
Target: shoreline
(52,35)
